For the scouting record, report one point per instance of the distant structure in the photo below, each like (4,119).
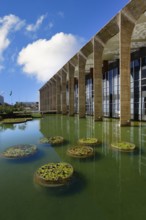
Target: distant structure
(1,100)
(107,76)
(32,106)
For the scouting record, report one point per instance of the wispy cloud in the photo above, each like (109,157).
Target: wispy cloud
(50,25)
(61,14)
(8,23)
(53,54)
(36,26)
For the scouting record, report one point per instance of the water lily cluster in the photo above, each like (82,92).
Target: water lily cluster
(54,173)
(88,141)
(80,151)
(56,140)
(123,146)
(19,151)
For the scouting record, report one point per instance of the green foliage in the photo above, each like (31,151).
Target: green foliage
(56,140)
(80,151)
(54,173)
(88,141)
(19,151)
(14,120)
(44,140)
(36,115)
(123,146)
(6,109)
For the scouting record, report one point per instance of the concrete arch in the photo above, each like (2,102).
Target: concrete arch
(127,21)
(121,28)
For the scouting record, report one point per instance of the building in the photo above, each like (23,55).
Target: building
(33,106)
(1,100)
(107,77)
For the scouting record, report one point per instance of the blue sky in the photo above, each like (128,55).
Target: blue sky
(38,37)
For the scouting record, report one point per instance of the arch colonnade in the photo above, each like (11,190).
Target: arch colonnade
(121,41)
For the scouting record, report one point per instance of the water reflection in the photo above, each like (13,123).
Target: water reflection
(76,185)
(109,186)
(107,131)
(30,159)
(3,127)
(22,126)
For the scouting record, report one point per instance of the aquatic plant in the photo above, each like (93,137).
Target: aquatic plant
(80,151)
(19,151)
(54,174)
(15,120)
(88,141)
(44,140)
(123,146)
(36,115)
(55,140)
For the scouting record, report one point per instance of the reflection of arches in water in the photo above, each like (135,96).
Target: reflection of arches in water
(77,183)
(111,132)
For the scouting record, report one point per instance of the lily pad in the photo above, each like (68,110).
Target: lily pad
(123,146)
(54,174)
(44,140)
(80,151)
(56,140)
(19,151)
(88,141)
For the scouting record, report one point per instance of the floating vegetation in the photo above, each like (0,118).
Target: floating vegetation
(54,174)
(56,140)
(80,151)
(123,146)
(15,120)
(36,115)
(19,151)
(44,140)
(88,141)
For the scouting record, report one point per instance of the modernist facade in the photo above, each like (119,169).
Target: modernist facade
(107,77)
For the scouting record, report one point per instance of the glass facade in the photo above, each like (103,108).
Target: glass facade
(111,90)
(89,94)
(143,88)
(138,89)
(135,86)
(76,96)
(111,93)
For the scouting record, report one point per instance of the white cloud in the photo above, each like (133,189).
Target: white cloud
(44,58)
(8,23)
(35,27)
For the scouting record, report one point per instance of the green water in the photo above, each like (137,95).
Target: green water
(110,186)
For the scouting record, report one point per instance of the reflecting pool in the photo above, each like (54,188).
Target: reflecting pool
(109,186)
